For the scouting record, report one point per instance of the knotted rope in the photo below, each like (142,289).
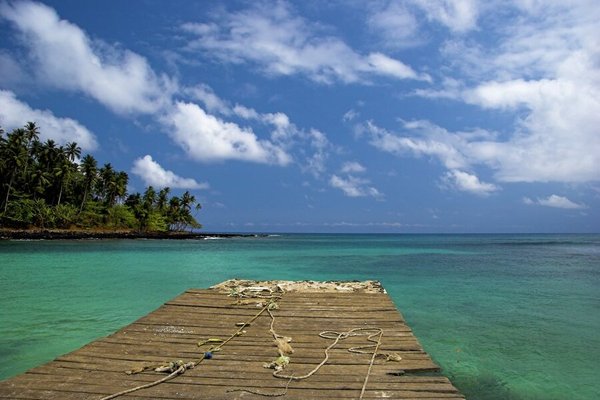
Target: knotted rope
(337,336)
(279,364)
(179,367)
(180,370)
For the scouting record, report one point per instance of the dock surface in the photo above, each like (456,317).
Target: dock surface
(200,321)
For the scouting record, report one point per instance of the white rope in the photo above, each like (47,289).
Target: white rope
(184,367)
(337,336)
(364,387)
(178,371)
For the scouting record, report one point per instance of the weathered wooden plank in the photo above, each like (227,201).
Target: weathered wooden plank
(236,311)
(174,329)
(257,348)
(135,337)
(65,371)
(261,381)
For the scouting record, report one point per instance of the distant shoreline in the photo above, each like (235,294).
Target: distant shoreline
(63,234)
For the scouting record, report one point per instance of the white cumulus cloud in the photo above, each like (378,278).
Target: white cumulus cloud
(402,24)
(206,95)
(543,71)
(395,23)
(352,167)
(152,173)
(457,15)
(65,57)
(456,151)
(311,146)
(354,187)
(282,43)
(208,138)
(59,54)
(555,201)
(422,138)
(350,115)
(556,150)
(283,129)
(15,114)
(384,65)
(557,140)
(467,182)
(286,135)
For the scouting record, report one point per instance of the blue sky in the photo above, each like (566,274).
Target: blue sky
(313,116)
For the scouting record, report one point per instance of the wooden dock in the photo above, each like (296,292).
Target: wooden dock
(236,369)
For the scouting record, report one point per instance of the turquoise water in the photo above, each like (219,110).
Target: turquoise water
(506,316)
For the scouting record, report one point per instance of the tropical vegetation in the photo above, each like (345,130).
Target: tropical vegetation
(50,186)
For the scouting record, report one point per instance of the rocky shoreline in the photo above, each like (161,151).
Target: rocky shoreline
(52,234)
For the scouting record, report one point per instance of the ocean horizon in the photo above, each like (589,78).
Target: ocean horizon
(506,316)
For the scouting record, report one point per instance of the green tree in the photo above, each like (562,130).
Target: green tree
(63,171)
(179,213)
(32,135)
(89,169)
(42,185)
(64,215)
(72,151)
(149,198)
(162,200)
(39,182)
(121,217)
(107,182)
(41,214)
(14,157)
(141,213)
(121,181)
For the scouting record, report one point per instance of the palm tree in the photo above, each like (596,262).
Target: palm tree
(179,213)
(3,161)
(173,213)
(13,158)
(48,153)
(89,168)
(121,180)
(36,151)
(133,200)
(106,183)
(40,182)
(65,167)
(72,151)
(63,171)
(161,201)
(34,175)
(187,200)
(32,132)
(149,197)
(32,135)
(137,206)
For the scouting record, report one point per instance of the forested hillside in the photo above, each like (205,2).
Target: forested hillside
(46,185)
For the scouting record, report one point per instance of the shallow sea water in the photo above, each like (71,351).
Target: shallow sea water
(506,316)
